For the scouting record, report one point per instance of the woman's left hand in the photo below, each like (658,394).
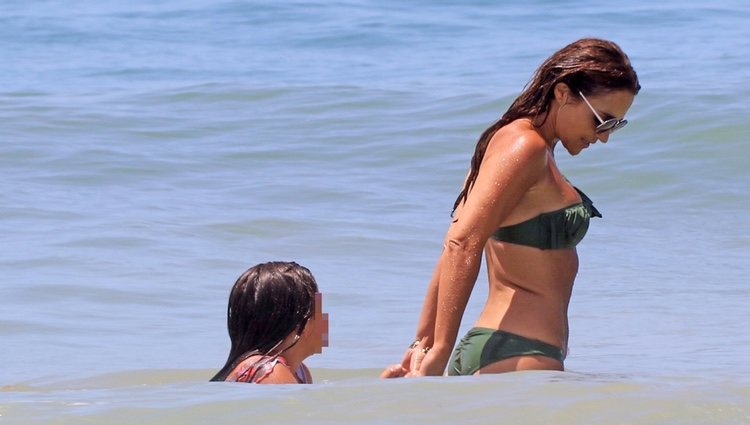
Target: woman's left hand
(394,371)
(431,363)
(417,357)
(399,370)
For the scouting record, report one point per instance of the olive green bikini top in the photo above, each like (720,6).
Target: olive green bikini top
(559,229)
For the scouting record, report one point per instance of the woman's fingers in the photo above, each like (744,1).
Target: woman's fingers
(406,360)
(394,371)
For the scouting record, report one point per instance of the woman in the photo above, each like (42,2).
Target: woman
(275,321)
(517,207)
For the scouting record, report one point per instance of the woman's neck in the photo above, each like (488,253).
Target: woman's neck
(545,125)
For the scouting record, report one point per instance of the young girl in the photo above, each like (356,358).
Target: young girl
(275,321)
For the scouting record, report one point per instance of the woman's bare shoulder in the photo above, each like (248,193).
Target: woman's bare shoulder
(518,137)
(514,162)
(519,141)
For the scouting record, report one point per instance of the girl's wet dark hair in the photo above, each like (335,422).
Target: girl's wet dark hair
(268,302)
(590,65)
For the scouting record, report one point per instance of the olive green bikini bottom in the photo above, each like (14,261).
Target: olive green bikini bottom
(483,346)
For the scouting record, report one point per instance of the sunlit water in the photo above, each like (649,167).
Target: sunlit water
(150,153)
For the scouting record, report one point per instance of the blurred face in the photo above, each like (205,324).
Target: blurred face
(317,327)
(577,120)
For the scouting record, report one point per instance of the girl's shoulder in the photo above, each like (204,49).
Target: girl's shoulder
(269,370)
(254,369)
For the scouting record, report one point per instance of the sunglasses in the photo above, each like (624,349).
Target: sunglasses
(610,125)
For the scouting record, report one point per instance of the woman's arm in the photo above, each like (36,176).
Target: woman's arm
(425,332)
(510,167)
(426,324)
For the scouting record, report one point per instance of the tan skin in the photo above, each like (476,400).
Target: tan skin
(529,288)
(311,341)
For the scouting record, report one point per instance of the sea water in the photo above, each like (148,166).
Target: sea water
(152,151)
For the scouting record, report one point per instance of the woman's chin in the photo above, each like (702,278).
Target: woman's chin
(573,150)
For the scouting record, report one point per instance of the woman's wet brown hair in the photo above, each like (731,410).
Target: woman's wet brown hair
(590,65)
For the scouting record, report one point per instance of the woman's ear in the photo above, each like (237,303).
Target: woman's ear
(562,93)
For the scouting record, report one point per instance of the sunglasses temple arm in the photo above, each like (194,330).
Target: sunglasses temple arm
(601,121)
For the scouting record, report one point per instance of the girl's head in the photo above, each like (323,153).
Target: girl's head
(268,303)
(588,67)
